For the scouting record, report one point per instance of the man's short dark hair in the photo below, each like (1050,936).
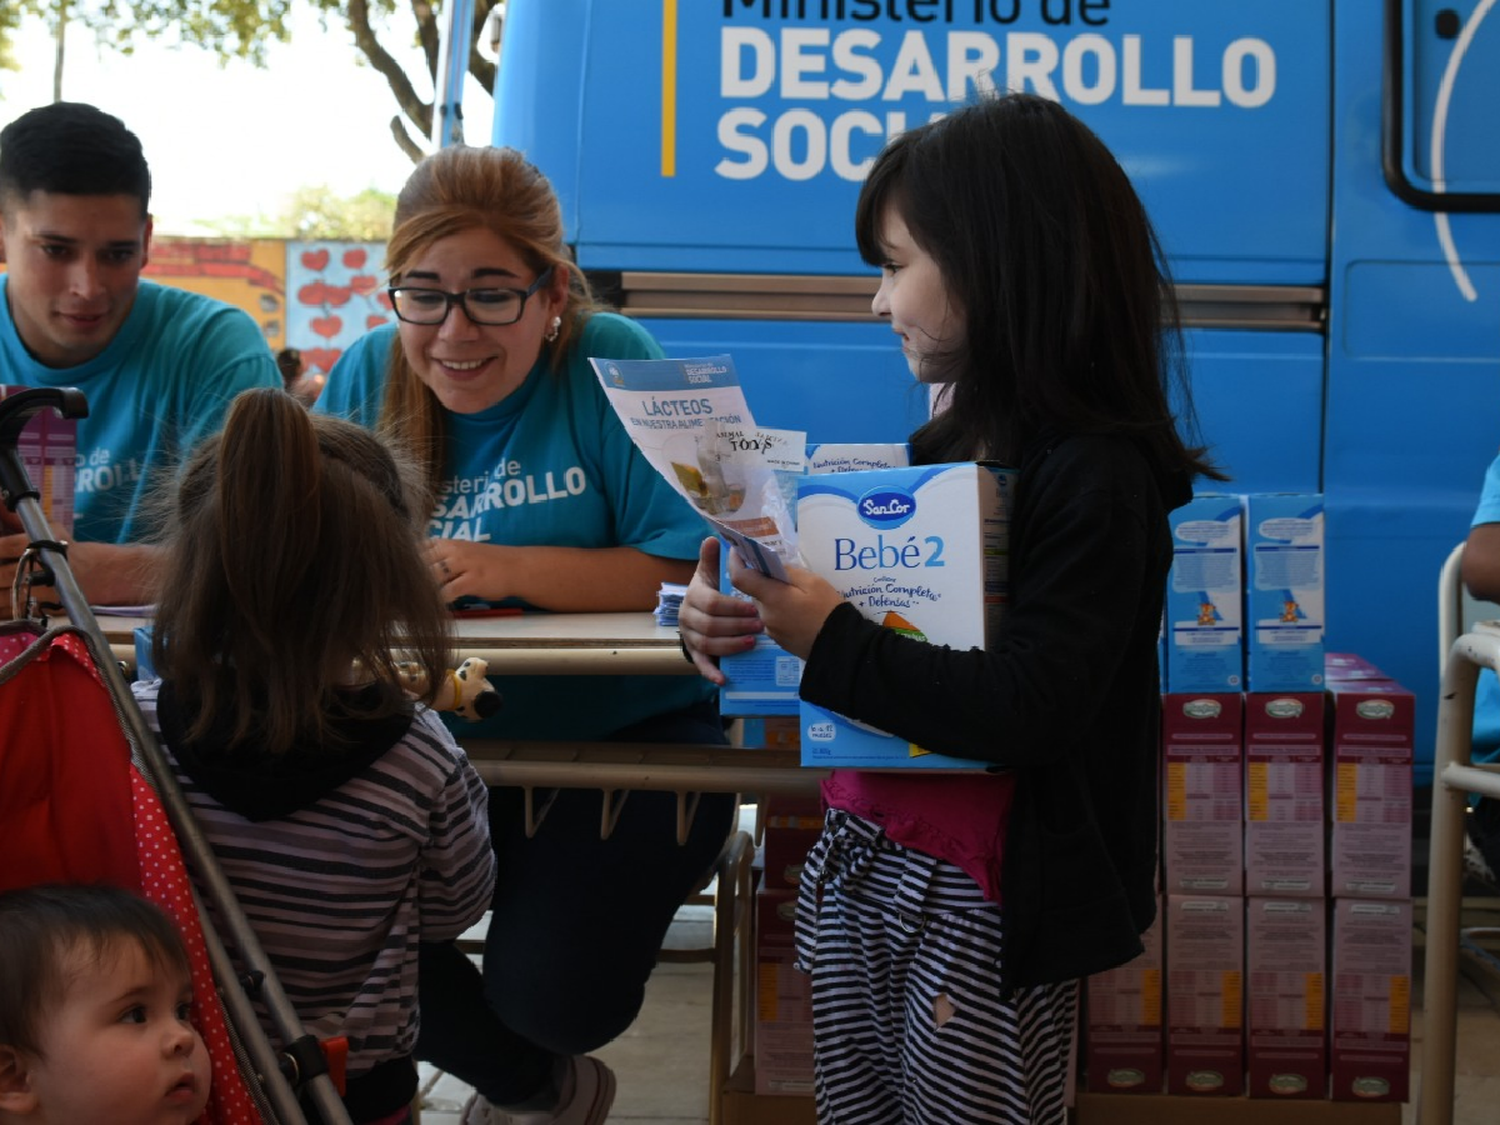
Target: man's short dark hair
(69,148)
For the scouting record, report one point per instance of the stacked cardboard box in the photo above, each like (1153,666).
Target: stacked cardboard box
(1286,831)
(1244,606)
(783,999)
(48,447)
(1287,944)
(1125,1047)
(1371,745)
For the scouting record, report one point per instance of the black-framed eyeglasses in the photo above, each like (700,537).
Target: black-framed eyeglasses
(418,304)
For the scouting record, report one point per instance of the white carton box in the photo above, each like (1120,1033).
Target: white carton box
(1204,629)
(1284,591)
(763,681)
(843,457)
(924,550)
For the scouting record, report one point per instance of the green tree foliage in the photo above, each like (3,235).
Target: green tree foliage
(10,20)
(239,29)
(314,212)
(245,28)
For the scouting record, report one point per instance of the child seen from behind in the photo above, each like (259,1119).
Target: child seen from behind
(348,822)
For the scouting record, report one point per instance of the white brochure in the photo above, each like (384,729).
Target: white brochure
(689,418)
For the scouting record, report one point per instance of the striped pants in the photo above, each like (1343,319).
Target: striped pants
(908,1024)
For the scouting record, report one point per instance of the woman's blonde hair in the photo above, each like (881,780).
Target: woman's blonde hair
(294,548)
(455,190)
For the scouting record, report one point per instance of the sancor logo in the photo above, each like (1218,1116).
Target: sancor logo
(1370,1087)
(886,507)
(1284,708)
(1202,708)
(1375,709)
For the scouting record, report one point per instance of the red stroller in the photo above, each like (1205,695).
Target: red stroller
(87,795)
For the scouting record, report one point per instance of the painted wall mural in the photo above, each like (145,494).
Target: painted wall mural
(250,274)
(318,297)
(337,294)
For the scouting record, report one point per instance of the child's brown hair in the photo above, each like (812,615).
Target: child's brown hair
(294,553)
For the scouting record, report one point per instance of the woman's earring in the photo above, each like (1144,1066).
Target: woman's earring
(553,329)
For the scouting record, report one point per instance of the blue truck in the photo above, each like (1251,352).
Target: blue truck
(1325,176)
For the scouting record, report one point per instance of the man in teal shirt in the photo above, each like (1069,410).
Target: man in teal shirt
(158,366)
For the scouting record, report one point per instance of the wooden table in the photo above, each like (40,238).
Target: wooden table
(536,644)
(586,644)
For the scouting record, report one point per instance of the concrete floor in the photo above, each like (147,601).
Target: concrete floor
(661,1063)
(1476,1086)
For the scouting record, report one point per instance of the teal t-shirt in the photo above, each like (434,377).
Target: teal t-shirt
(162,385)
(1486,746)
(549,465)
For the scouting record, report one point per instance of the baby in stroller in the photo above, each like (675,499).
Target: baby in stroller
(95,1000)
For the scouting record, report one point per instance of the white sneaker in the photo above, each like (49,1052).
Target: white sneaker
(588,1090)
(1475,864)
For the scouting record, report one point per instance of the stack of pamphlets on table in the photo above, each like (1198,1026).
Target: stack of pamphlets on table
(668,601)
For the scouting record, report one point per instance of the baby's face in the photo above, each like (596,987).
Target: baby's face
(119,1048)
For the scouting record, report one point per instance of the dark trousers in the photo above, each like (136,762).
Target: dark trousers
(576,928)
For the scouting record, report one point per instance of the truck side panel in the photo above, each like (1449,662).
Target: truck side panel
(1343,336)
(1413,401)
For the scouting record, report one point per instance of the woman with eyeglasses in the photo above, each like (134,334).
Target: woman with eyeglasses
(540,500)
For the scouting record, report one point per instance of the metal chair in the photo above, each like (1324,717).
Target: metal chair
(1460,612)
(1467,643)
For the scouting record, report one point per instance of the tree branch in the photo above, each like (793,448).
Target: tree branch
(481,66)
(404,141)
(417,111)
(427,34)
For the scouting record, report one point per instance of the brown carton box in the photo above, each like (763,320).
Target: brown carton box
(1205,994)
(1286,969)
(792,825)
(1284,807)
(783,1000)
(1124,1045)
(1370,751)
(1203,793)
(1370,1024)
(48,447)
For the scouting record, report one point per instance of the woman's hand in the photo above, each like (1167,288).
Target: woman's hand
(793,612)
(712,624)
(561,579)
(463,568)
